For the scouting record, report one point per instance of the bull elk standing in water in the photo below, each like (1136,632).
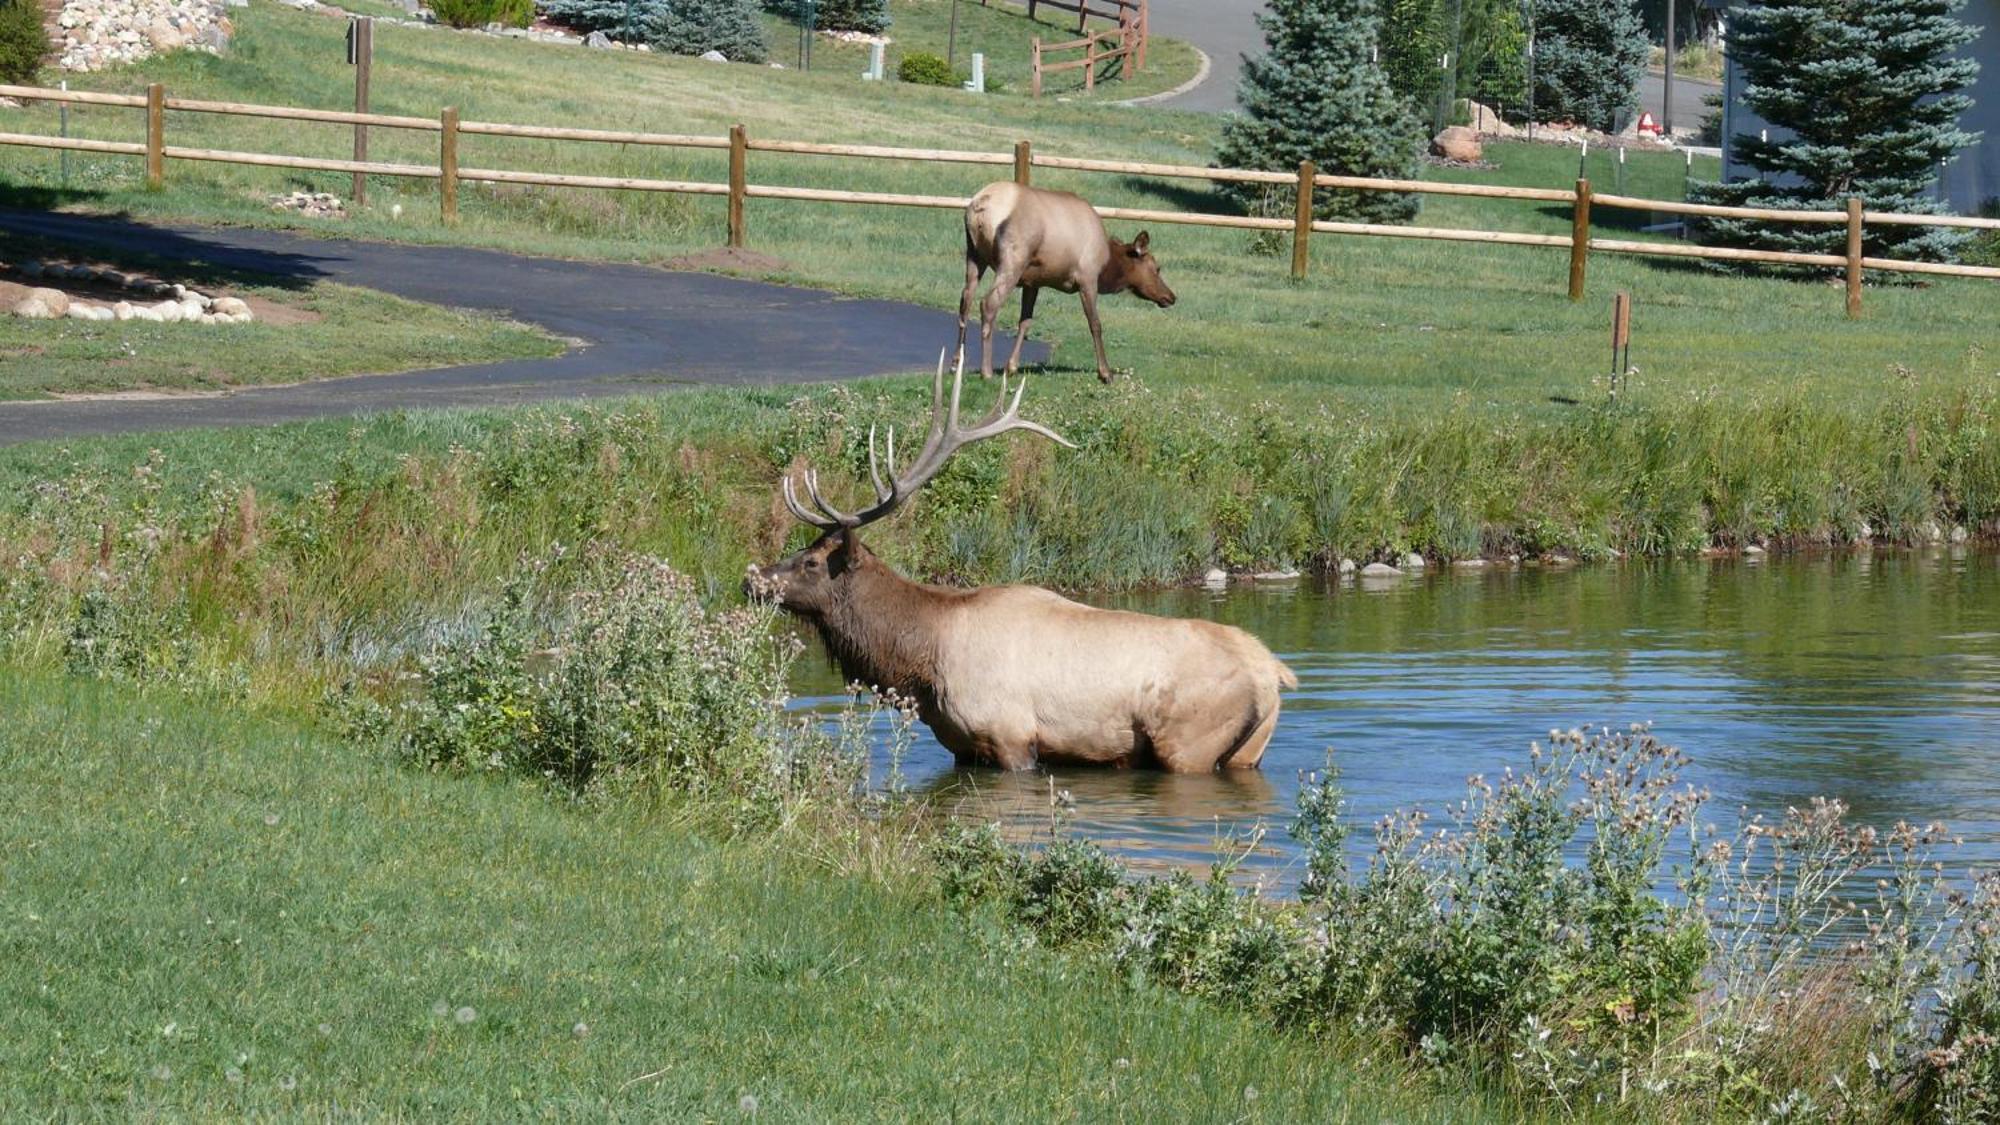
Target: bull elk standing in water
(1039,240)
(1014,675)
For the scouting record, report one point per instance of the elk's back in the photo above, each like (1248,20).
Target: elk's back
(1057,236)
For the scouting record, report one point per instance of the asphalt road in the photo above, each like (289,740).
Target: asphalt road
(639,329)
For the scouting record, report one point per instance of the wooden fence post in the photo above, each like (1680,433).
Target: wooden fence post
(1579,240)
(1302,221)
(739,157)
(448,165)
(1126,42)
(156,137)
(364,63)
(1853,255)
(1024,161)
(1089,63)
(1145,31)
(1035,60)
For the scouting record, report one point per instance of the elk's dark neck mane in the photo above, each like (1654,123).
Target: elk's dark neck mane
(882,629)
(1114,278)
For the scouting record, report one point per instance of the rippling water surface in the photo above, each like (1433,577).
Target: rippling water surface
(1871,678)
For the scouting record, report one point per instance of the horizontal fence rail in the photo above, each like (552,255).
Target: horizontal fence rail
(1296,190)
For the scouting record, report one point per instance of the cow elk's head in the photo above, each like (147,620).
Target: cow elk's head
(808,582)
(1142,270)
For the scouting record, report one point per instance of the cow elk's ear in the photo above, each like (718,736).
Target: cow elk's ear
(1140,244)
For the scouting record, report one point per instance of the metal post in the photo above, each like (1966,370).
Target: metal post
(1579,240)
(448,165)
(739,153)
(1853,255)
(951,38)
(1667,94)
(1302,221)
(156,137)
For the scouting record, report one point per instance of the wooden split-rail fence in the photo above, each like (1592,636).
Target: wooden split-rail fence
(1125,41)
(1303,185)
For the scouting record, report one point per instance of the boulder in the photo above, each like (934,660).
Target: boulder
(1413,561)
(714,56)
(1380,570)
(1460,143)
(32,309)
(228,306)
(1216,578)
(122,310)
(597,41)
(80,312)
(55,300)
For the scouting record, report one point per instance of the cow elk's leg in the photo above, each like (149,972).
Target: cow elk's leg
(973,272)
(1028,295)
(1004,281)
(1089,295)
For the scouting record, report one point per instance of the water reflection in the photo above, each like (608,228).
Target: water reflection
(1871,678)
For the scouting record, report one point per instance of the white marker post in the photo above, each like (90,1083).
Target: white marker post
(875,62)
(978,83)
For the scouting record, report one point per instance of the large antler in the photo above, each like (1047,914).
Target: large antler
(946,438)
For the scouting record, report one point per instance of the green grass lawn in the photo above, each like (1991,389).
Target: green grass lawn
(207,915)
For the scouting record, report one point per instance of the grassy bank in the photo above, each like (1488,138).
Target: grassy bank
(212,915)
(299,555)
(1382,325)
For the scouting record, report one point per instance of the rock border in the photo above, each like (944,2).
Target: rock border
(176,303)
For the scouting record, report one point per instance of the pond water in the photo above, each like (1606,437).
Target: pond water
(1871,677)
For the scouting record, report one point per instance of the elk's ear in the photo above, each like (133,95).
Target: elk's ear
(841,551)
(1140,244)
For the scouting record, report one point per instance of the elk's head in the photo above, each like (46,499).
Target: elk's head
(812,581)
(1141,270)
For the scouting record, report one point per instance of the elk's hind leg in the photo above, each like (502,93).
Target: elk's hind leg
(973,273)
(1028,295)
(1004,280)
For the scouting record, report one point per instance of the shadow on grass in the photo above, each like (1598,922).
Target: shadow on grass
(1186,197)
(34,228)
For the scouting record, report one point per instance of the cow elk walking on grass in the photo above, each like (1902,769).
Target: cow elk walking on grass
(1015,675)
(1038,239)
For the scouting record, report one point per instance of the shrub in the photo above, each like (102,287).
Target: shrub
(480,13)
(1983,249)
(696,27)
(23,42)
(871,16)
(681,27)
(922,68)
(630,687)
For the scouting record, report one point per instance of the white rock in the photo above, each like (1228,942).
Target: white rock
(229,306)
(55,300)
(1413,561)
(1959,534)
(169,312)
(1216,578)
(122,310)
(244,317)
(1752,549)
(1347,566)
(190,308)
(80,312)
(1285,575)
(714,56)
(1469,564)
(31,309)
(1380,570)
(143,312)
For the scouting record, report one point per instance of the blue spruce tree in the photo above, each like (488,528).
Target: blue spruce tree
(682,27)
(1865,98)
(1589,55)
(871,16)
(1317,94)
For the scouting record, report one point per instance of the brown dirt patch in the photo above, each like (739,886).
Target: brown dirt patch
(733,259)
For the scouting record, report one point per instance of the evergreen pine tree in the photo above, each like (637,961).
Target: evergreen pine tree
(871,16)
(1317,94)
(1864,98)
(1415,33)
(1589,55)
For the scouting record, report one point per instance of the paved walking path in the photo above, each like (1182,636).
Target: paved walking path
(641,329)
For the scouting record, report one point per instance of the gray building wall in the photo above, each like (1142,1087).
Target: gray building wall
(1969,180)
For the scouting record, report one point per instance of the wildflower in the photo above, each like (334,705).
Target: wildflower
(748,1104)
(271,819)
(233,1075)
(326,1029)
(1249,1093)
(163,1072)
(440,1009)
(465,1014)
(1122,1064)
(288,1083)
(169,1031)
(580,1030)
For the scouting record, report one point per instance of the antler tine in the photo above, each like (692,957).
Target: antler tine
(833,513)
(800,511)
(874,473)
